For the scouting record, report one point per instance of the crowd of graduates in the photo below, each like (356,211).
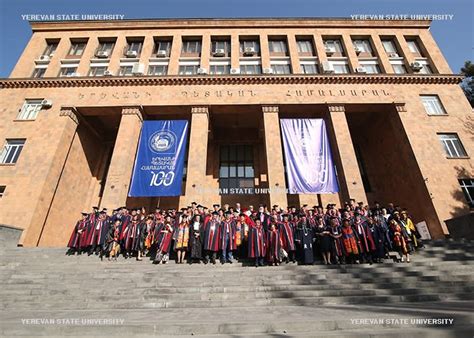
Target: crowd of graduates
(353,234)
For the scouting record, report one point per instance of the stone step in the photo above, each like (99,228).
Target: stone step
(223,303)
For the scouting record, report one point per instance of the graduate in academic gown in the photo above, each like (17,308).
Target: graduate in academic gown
(181,239)
(98,233)
(273,244)
(196,234)
(399,240)
(163,241)
(378,236)
(349,238)
(77,233)
(337,242)
(138,242)
(112,244)
(365,240)
(257,245)
(324,240)
(304,239)
(211,237)
(287,238)
(227,238)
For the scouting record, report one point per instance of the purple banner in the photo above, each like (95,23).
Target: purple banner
(309,165)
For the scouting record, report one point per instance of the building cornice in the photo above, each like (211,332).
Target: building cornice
(227,80)
(173,23)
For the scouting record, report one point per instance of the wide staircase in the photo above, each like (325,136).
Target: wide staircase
(46,293)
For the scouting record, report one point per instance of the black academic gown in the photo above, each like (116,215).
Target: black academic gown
(304,237)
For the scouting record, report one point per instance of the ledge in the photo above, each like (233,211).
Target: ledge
(227,80)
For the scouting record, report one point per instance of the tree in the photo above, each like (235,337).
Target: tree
(467,84)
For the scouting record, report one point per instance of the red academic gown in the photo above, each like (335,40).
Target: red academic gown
(287,236)
(164,235)
(212,235)
(222,231)
(74,240)
(273,245)
(257,245)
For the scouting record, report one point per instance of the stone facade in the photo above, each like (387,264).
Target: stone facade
(80,152)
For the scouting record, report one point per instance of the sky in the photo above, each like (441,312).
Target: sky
(454,36)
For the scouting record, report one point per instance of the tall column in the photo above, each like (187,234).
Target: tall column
(34,221)
(123,157)
(274,151)
(348,168)
(197,158)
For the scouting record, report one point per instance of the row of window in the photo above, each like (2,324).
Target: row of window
(249,49)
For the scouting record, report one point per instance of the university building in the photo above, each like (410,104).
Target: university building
(399,125)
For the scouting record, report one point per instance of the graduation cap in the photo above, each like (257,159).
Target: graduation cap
(183,209)
(84,213)
(228,213)
(104,209)
(215,213)
(199,206)
(205,208)
(275,206)
(193,203)
(285,215)
(305,205)
(328,206)
(216,205)
(95,208)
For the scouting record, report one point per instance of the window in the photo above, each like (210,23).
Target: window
(250,69)
(236,167)
(11,151)
(363,46)
(77,48)
(158,70)
(188,69)
(191,47)
(413,47)
(125,71)
(246,45)
(2,190)
(162,45)
(105,47)
(305,47)
(335,46)
(341,68)
(389,46)
(219,69)
(452,145)
(432,105)
(467,186)
(50,48)
(278,47)
(97,71)
(309,68)
(399,68)
(30,109)
(426,69)
(134,47)
(371,68)
(220,44)
(38,73)
(68,71)
(281,69)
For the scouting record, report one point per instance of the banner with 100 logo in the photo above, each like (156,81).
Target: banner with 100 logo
(159,163)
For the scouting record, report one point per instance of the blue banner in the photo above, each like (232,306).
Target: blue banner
(159,162)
